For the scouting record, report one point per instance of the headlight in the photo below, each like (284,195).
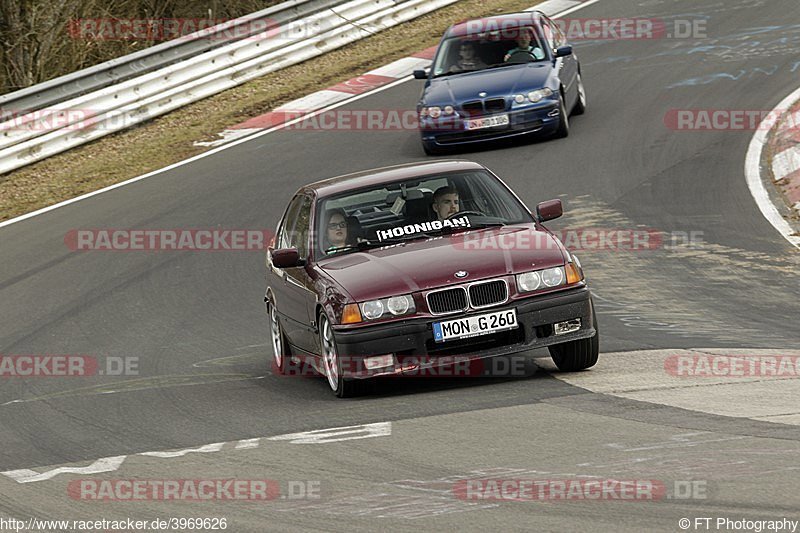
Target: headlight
(372,310)
(423,112)
(434,112)
(394,306)
(529,281)
(399,305)
(518,98)
(548,278)
(448,110)
(537,96)
(553,277)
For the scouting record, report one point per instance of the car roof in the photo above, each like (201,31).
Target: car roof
(378,176)
(506,21)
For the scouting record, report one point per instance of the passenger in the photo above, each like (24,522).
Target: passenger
(335,230)
(445,202)
(468,59)
(524,45)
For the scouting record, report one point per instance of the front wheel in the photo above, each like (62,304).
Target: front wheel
(580,105)
(281,354)
(563,120)
(430,149)
(577,355)
(332,364)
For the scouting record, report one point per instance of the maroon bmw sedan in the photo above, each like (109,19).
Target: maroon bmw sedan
(389,271)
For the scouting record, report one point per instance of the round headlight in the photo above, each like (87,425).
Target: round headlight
(398,305)
(518,98)
(423,112)
(529,281)
(435,112)
(372,310)
(448,110)
(553,277)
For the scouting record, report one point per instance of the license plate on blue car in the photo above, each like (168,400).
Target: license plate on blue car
(487,122)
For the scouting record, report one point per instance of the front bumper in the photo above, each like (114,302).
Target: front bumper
(413,346)
(452,131)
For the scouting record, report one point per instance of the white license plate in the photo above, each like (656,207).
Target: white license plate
(462,328)
(488,122)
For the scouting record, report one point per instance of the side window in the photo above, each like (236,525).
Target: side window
(298,237)
(288,223)
(547,29)
(555,36)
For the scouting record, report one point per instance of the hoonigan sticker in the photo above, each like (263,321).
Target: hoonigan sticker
(413,229)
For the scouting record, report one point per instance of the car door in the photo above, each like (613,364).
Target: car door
(566,67)
(293,289)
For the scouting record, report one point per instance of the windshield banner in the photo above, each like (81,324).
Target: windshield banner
(413,229)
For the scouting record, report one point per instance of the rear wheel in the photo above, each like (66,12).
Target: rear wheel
(577,355)
(563,120)
(332,364)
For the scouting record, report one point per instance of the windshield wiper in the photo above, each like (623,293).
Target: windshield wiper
(503,64)
(449,230)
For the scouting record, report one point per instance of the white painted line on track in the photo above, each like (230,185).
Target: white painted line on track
(752,170)
(542,6)
(112,464)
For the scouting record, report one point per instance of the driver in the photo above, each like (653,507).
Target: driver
(524,45)
(445,202)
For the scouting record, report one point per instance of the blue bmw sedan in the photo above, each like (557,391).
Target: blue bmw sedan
(499,77)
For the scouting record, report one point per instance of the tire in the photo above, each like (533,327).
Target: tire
(580,105)
(281,353)
(430,150)
(563,120)
(332,365)
(577,355)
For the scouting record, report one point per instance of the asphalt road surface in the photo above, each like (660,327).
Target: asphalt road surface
(722,281)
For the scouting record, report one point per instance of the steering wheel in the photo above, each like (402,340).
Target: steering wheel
(528,56)
(461,213)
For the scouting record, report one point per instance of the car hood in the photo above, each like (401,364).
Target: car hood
(503,81)
(422,265)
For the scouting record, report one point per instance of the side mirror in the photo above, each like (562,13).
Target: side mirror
(420,75)
(549,210)
(562,51)
(286,258)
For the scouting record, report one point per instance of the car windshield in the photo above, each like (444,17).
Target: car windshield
(488,50)
(414,209)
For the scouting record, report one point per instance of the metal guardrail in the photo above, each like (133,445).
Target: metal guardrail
(152,58)
(114,107)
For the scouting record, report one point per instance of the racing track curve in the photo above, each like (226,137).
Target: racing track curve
(197,324)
